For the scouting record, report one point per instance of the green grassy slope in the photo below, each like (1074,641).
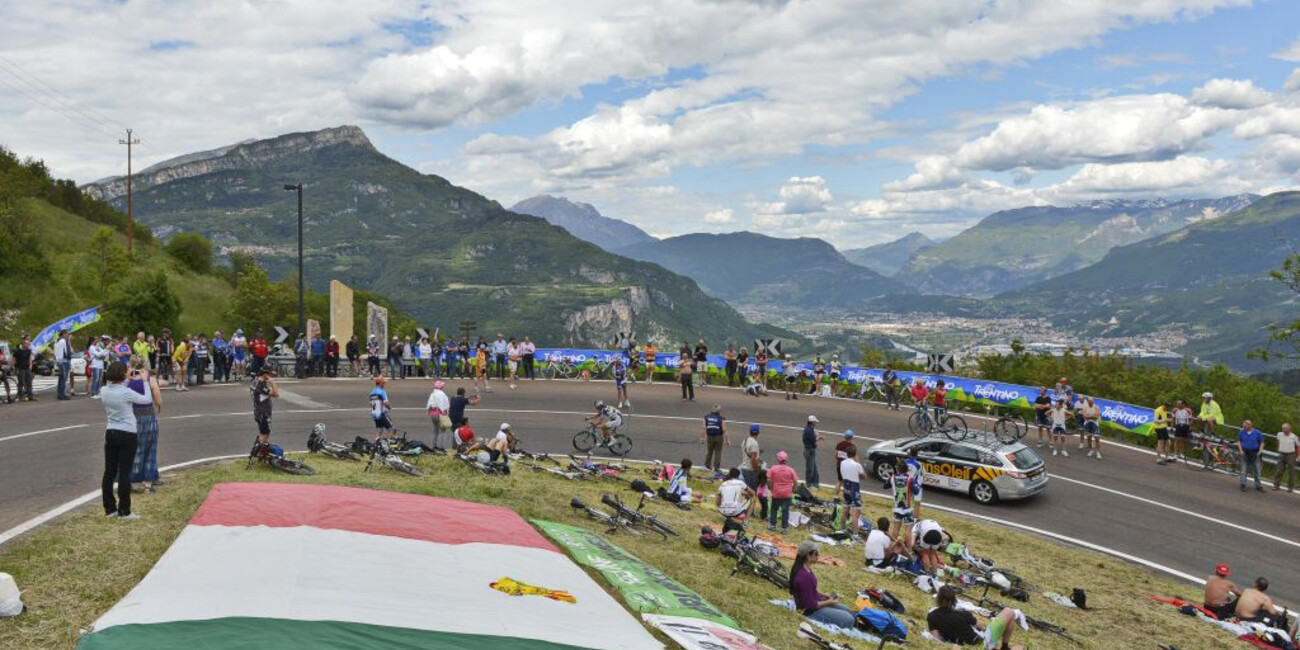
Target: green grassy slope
(70,284)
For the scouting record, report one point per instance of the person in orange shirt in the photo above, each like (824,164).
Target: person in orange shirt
(650,361)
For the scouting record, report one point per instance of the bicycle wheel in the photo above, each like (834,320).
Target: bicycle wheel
(1229,459)
(292,467)
(1007,431)
(918,424)
(620,445)
(585,441)
(955,428)
(402,466)
(9,397)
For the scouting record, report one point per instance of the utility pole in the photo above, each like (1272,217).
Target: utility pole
(130,218)
(302,312)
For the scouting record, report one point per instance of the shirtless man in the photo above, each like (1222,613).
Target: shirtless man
(1254,605)
(1220,594)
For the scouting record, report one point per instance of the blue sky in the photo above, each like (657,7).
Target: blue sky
(856,121)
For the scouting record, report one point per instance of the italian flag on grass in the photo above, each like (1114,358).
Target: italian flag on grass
(265,566)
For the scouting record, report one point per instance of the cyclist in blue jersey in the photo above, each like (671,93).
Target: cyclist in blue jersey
(619,372)
(608,418)
(379,408)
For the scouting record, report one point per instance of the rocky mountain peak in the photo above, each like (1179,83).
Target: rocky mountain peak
(244,155)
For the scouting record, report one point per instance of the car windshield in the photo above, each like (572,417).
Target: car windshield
(1024,458)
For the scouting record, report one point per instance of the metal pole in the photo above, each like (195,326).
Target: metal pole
(130,218)
(302,311)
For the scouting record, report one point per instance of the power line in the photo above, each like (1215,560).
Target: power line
(35,82)
(75,117)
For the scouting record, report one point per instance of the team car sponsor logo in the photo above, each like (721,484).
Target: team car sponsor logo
(961,472)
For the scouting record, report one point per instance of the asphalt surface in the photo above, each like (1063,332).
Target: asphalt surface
(51,452)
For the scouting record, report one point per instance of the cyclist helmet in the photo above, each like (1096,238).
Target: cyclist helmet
(319,429)
(709,538)
(1208,394)
(600,404)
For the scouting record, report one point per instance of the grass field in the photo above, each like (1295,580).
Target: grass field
(76,568)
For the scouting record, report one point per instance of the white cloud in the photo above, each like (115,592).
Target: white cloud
(1178,178)
(1290,52)
(720,217)
(798,196)
(1231,94)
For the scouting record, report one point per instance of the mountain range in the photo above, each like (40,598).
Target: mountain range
(751,270)
(1017,248)
(583,221)
(442,252)
(888,258)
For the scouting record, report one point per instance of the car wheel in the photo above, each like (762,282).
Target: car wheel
(984,493)
(884,469)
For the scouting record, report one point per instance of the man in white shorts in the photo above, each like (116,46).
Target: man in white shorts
(1058,414)
(734,497)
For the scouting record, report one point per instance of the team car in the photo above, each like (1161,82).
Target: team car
(985,469)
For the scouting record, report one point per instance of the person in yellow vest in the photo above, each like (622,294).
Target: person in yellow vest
(180,362)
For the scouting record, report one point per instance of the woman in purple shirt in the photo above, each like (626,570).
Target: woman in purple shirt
(807,600)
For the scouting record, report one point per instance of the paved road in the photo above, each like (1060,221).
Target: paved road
(50,452)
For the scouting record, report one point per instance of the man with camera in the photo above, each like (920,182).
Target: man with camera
(264,389)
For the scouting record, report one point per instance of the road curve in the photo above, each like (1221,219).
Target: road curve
(51,452)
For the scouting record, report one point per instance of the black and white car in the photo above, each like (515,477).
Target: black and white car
(985,469)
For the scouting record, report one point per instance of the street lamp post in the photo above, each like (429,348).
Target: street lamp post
(302,311)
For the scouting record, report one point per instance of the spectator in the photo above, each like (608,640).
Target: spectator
(742,366)
(261,351)
(409,359)
(819,374)
(1220,594)
(650,354)
(810,602)
(353,350)
(685,368)
(119,440)
(1160,424)
(141,346)
(424,354)
(144,469)
(153,354)
(782,479)
(751,460)
(99,356)
(850,485)
(1063,392)
(791,377)
(1042,404)
(239,354)
(499,354)
(1058,415)
(842,452)
(332,357)
(435,356)
(467,352)
(905,488)
(301,355)
(513,357)
(395,350)
(810,440)
(890,379)
(316,364)
(880,547)
(379,409)
(762,492)
(949,624)
(1182,417)
(481,368)
(123,350)
(679,490)
(220,366)
(1254,606)
(200,359)
(179,360)
(458,405)
(1285,459)
(715,436)
(439,408)
(1091,426)
(372,356)
(529,353)
(264,389)
(734,496)
(23,367)
(452,350)
(929,537)
(702,363)
(1211,415)
(836,369)
(166,348)
(917,471)
(760,365)
(1249,442)
(64,362)
(729,357)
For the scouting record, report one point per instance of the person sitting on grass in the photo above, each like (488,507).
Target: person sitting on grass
(949,624)
(678,489)
(810,602)
(734,498)
(1221,594)
(757,389)
(499,446)
(881,548)
(464,438)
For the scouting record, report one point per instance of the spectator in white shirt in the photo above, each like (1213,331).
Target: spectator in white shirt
(1286,447)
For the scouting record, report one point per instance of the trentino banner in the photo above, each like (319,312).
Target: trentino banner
(71,323)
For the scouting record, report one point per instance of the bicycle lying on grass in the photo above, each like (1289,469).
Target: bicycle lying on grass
(1034,623)
(613,523)
(317,443)
(382,450)
(272,455)
(608,471)
(752,559)
(638,517)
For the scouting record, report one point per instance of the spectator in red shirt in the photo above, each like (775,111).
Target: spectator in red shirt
(332,357)
(842,451)
(919,391)
(781,480)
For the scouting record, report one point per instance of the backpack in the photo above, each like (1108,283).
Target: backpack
(881,622)
(1079,598)
(886,600)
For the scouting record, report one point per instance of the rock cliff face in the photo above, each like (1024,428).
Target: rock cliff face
(603,321)
(246,155)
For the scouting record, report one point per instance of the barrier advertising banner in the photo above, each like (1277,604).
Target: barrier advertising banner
(644,587)
(1131,418)
(699,634)
(71,323)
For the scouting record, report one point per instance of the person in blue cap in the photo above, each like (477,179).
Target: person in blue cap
(841,452)
(751,458)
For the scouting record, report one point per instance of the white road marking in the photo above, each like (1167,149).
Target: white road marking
(42,432)
(1189,513)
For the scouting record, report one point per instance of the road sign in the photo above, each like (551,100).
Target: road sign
(282,334)
(424,333)
(938,363)
(772,346)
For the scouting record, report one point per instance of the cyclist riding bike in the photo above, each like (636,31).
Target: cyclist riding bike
(608,418)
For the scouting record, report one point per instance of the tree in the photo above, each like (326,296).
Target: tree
(142,302)
(240,261)
(258,303)
(192,250)
(20,250)
(1285,336)
(106,260)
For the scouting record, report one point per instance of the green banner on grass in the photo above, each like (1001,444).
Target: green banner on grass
(644,587)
